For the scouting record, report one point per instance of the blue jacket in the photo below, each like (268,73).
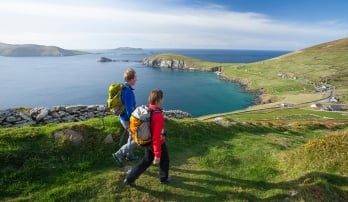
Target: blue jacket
(128,99)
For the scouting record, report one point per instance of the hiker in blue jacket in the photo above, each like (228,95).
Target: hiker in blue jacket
(128,99)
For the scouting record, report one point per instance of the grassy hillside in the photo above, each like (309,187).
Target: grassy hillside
(300,72)
(274,156)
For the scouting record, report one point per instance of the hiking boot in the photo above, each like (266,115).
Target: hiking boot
(132,158)
(132,184)
(169,179)
(117,159)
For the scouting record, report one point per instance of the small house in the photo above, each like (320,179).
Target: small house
(335,108)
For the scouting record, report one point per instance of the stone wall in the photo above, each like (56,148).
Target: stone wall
(59,114)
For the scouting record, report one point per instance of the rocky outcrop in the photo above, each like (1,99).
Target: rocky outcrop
(69,134)
(104,59)
(178,114)
(175,64)
(59,114)
(165,63)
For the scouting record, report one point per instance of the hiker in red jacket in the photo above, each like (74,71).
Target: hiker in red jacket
(156,151)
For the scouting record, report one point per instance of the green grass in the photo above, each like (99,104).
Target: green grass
(287,114)
(320,65)
(242,161)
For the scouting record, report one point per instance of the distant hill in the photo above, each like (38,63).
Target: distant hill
(127,48)
(290,77)
(32,50)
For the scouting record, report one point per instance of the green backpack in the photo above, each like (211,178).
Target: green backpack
(114,102)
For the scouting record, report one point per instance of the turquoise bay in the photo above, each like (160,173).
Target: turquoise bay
(52,81)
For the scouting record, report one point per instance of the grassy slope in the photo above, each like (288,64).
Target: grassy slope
(245,159)
(324,63)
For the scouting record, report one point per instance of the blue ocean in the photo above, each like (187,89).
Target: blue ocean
(73,80)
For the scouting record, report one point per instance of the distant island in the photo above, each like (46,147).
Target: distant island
(105,59)
(126,51)
(33,50)
(127,48)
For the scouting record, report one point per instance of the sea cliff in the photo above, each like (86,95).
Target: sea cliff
(176,63)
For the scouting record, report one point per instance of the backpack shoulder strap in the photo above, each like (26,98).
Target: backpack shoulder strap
(153,111)
(122,90)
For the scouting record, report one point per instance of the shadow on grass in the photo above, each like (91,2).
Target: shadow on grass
(206,186)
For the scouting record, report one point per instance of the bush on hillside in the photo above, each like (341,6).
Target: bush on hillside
(327,153)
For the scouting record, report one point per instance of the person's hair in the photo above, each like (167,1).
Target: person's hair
(129,74)
(155,96)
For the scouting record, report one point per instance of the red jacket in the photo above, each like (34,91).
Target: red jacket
(157,130)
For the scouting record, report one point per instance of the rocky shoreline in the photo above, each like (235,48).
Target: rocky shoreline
(245,86)
(181,64)
(18,117)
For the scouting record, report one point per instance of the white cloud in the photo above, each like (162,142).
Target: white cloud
(98,26)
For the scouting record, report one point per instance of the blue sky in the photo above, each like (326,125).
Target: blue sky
(227,24)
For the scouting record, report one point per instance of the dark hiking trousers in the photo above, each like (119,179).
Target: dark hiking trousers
(147,162)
